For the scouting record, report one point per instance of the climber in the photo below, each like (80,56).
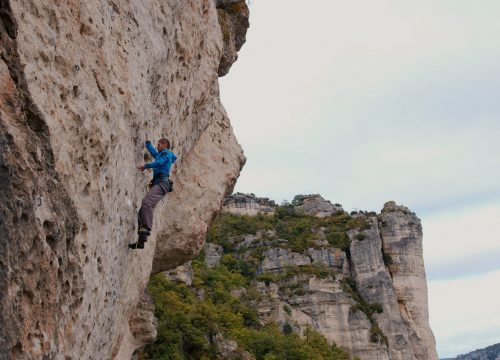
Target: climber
(159,186)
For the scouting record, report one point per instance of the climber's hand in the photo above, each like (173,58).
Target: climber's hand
(141,167)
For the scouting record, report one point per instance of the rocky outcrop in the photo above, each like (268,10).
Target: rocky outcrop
(233,20)
(488,353)
(316,205)
(248,204)
(83,85)
(183,273)
(369,298)
(213,253)
(276,259)
(401,235)
(143,322)
(368,269)
(229,349)
(325,306)
(388,253)
(331,258)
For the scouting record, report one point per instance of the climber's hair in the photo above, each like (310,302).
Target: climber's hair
(165,142)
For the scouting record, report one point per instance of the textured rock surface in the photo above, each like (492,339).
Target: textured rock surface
(233,20)
(401,234)
(321,303)
(83,84)
(248,204)
(488,353)
(374,284)
(316,205)
(402,294)
(183,273)
(263,238)
(393,276)
(143,322)
(228,349)
(331,258)
(213,253)
(371,300)
(275,259)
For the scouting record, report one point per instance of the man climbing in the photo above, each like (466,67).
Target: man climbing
(160,185)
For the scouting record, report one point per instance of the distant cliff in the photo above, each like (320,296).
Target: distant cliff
(488,353)
(248,204)
(358,279)
(82,84)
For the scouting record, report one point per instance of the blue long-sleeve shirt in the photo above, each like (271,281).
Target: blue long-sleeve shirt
(163,160)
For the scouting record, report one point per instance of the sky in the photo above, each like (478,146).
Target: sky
(370,101)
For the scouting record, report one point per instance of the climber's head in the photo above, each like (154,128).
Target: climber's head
(163,144)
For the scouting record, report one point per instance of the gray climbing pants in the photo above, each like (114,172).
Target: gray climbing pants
(148,204)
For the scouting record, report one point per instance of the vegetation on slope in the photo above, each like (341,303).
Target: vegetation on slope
(188,323)
(192,318)
(289,224)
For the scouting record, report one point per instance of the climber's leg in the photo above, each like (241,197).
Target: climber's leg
(147,208)
(146,215)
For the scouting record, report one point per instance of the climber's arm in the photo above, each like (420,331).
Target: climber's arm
(159,162)
(152,150)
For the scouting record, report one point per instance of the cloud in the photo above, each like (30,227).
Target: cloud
(369,102)
(469,265)
(464,235)
(464,313)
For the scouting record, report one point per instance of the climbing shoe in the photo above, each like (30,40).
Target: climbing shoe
(137,245)
(142,238)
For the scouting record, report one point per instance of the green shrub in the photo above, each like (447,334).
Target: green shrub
(376,308)
(181,329)
(360,237)
(287,309)
(270,343)
(338,239)
(376,335)
(227,226)
(238,265)
(289,224)
(186,323)
(387,259)
(267,278)
(287,329)
(298,200)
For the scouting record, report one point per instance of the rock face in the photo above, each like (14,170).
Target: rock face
(315,205)
(370,300)
(248,204)
(233,20)
(213,253)
(488,353)
(275,259)
(401,235)
(407,338)
(83,85)
(182,273)
(228,349)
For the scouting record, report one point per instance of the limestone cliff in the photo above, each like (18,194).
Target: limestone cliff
(82,84)
(248,204)
(491,352)
(358,278)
